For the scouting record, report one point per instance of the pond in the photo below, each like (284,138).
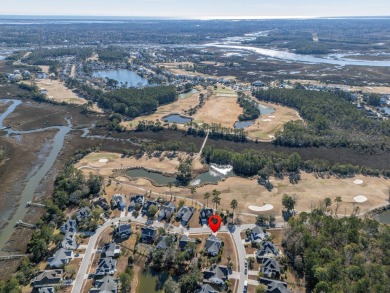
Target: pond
(265,110)
(243,124)
(385,109)
(189,94)
(122,76)
(148,280)
(160,179)
(216,173)
(175,118)
(384,217)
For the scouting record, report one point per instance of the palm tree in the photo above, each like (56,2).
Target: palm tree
(233,205)
(170,188)
(206,197)
(193,191)
(216,198)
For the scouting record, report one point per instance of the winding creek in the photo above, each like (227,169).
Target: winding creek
(33,182)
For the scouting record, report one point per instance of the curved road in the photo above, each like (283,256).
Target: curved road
(91,248)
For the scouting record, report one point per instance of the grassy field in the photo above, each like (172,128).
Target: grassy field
(58,92)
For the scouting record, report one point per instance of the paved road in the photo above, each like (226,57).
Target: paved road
(91,248)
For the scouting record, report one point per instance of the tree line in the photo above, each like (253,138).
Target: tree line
(251,109)
(330,120)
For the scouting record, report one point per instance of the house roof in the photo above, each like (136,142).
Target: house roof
(102,202)
(184,240)
(46,290)
(166,211)
(270,265)
(148,204)
(213,244)
(60,257)
(69,226)
(105,265)
(267,248)
(149,231)
(136,199)
(162,244)
(106,285)
(206,288)
(110,249)
(206,213)
(274,286)
(124,228)
(69,241)
(83,213)
(217,274)
(185,213)
(48,277)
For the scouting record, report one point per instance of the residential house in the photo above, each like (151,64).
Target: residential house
(217,275)
(48,278)
(166,211)
(111,250)
(138,199)
(274,286)
(257,235)
(213,245)
(184,240)
(106,266)
(184,214)
(270,268)
(123,231)
(60,258)
(205,214)
(206,288)
(83,214)
(69,241)
(162,244)
(148,234)
(118,201)
(106,285)
(46,290)
(69,226)
(267,250)
(147,205)
(102,203)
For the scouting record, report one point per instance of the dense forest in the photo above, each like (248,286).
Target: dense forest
(130,102)
(265,164)
(346,254)
(330,120)
(251,109)
(43,56)
(112,54)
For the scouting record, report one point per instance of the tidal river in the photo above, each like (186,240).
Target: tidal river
(32,183)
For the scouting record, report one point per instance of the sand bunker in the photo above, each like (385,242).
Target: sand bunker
(358,181)
(267,120)
(103,160)
(360,198)
(266,207)
(271,116)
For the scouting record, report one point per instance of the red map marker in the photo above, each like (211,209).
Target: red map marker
(215,222)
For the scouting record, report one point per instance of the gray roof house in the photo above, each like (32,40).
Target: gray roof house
(106,266)
(123,231)
(69,226)
(111,250)
(102,203)
(206,288)
(118,201)
(217,275)
(83,214)
(162,244)
(213,245)
(138,199)
(257,235)
(60,258)
(267,250)
(270,268)
(48,278)
(184,240)
(106,285)
(69,241)
(46,290)
(147,205)
(274,286)
(166,211)
(148,234)
(184,214)
(204,216)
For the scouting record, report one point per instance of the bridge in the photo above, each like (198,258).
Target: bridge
(34,204)
(26,225)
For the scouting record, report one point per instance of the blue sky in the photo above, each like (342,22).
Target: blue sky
(198,8)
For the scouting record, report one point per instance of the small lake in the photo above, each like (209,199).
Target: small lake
(386,109)
(189,94)
(384,217)
(265,110)
(148,281)
(243,124)
(122,76)
(160,179)
(175,118)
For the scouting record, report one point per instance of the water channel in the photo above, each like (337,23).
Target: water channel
(33,182)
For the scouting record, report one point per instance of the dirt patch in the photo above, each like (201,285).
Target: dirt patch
(228,250)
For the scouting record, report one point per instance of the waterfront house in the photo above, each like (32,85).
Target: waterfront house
(49,278)
(184,215)
(217,275)
(166,211)
(111,250)
(106,266)
(106,285)
(60,258)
